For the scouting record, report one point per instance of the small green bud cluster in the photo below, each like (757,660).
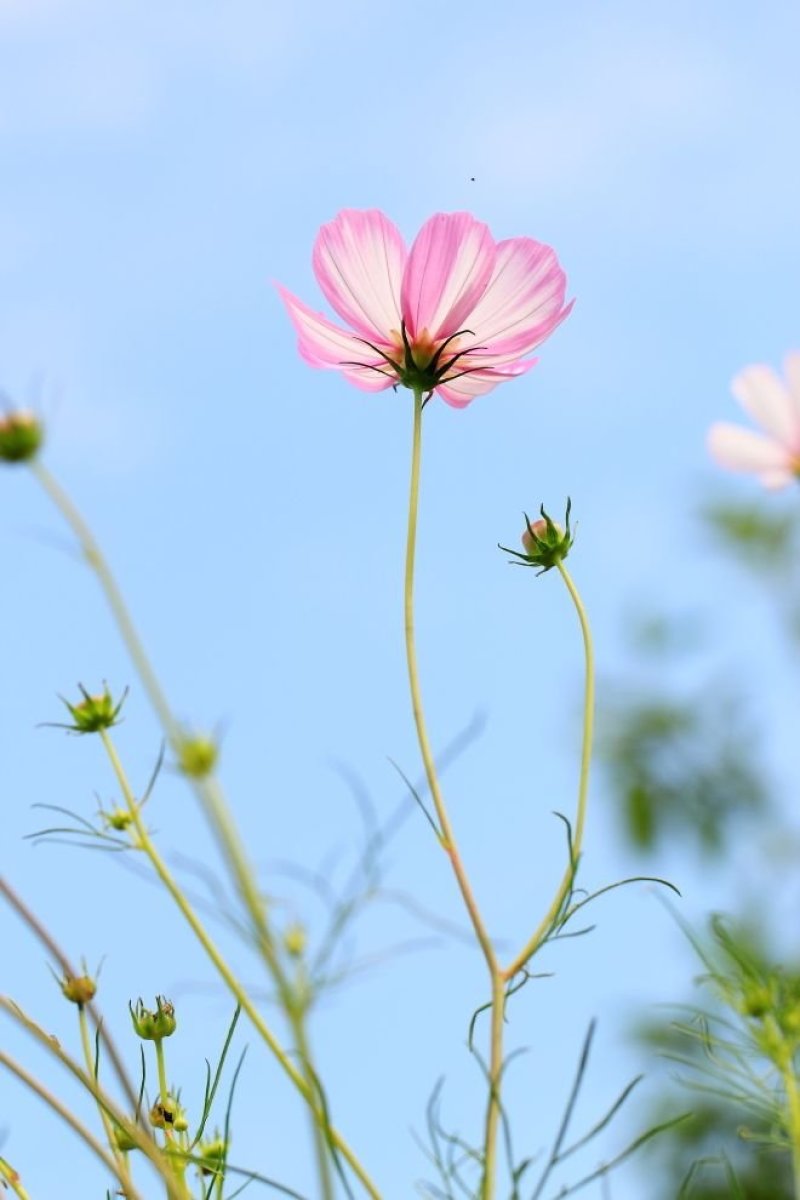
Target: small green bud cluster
(153,1026)
(93,713)
(544,543)
(295,939)
(20,437)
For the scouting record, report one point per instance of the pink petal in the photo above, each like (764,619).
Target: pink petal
(358,260)
(524,301)
(743,450)
(323,344)
(447,271)
(462,391)
(768,401)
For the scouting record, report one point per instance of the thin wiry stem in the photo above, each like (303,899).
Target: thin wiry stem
(576,842)
(223,969)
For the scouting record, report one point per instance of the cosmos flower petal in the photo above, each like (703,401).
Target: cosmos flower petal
(462,391)
(447,271)
(791,369)
(323,344)
(769,402)
(524,300)
(744,450)
(358,260)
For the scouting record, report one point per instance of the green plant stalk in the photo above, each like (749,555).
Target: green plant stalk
(89,1059)
(320,1128)
(446,834)
(9,1177)
(66,1115)
(793,1123)
(145,843)
(52,946)
(207,788)
(545,925)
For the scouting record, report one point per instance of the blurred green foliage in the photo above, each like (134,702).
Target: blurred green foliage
(684,760)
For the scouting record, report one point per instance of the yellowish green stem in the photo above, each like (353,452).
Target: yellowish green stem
(207,787)
(446,834)
(11,1179)
(320,1129)
(793,1122)
(145,843)
(77,1127)
(564,888)
(89,1059)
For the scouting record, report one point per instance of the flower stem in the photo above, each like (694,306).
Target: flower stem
(207,788)
(445,830)
(145,842)
(446,835)
(11,1179)
(91,1067)
(564,888)
(86,1136)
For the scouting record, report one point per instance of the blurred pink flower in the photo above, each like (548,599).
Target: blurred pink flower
(455,315)
(773,455)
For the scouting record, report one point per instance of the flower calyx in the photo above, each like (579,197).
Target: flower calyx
(153,1026)
(545,543)
(93,714)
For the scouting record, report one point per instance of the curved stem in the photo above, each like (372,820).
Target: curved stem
(446,835)
(564,888)
(146,844)
(207,788)
(445,829)
(11,1179)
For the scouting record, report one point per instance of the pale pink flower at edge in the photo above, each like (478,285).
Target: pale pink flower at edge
(774,454)
(457,314)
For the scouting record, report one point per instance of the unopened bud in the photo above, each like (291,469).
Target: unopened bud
(154,1026)
(93,713)
(197,755)
(79,989)
(294,940)
(20,437)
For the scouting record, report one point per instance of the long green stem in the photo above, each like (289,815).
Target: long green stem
(145,842)
(207,787)
(546,924)
(446,834)
(91,1067)
(144,1143)
(320,1129)
(445,829)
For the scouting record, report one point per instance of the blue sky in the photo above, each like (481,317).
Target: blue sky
(161,166)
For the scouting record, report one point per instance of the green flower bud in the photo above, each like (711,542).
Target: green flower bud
(294,940)
(197,755)
(94,713)
(169,1115)
(20,437)
(544,542)
(116,818)
(123,1140)
(213,1152)
(153,1026)
(756,999)
(79,990)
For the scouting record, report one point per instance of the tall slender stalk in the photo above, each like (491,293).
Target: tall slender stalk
(207,787)
(445,829)
(793,1101)
(145,842)
(545,925)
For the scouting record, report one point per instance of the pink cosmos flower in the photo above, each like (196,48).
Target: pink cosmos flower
(774,455)
(456,314)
